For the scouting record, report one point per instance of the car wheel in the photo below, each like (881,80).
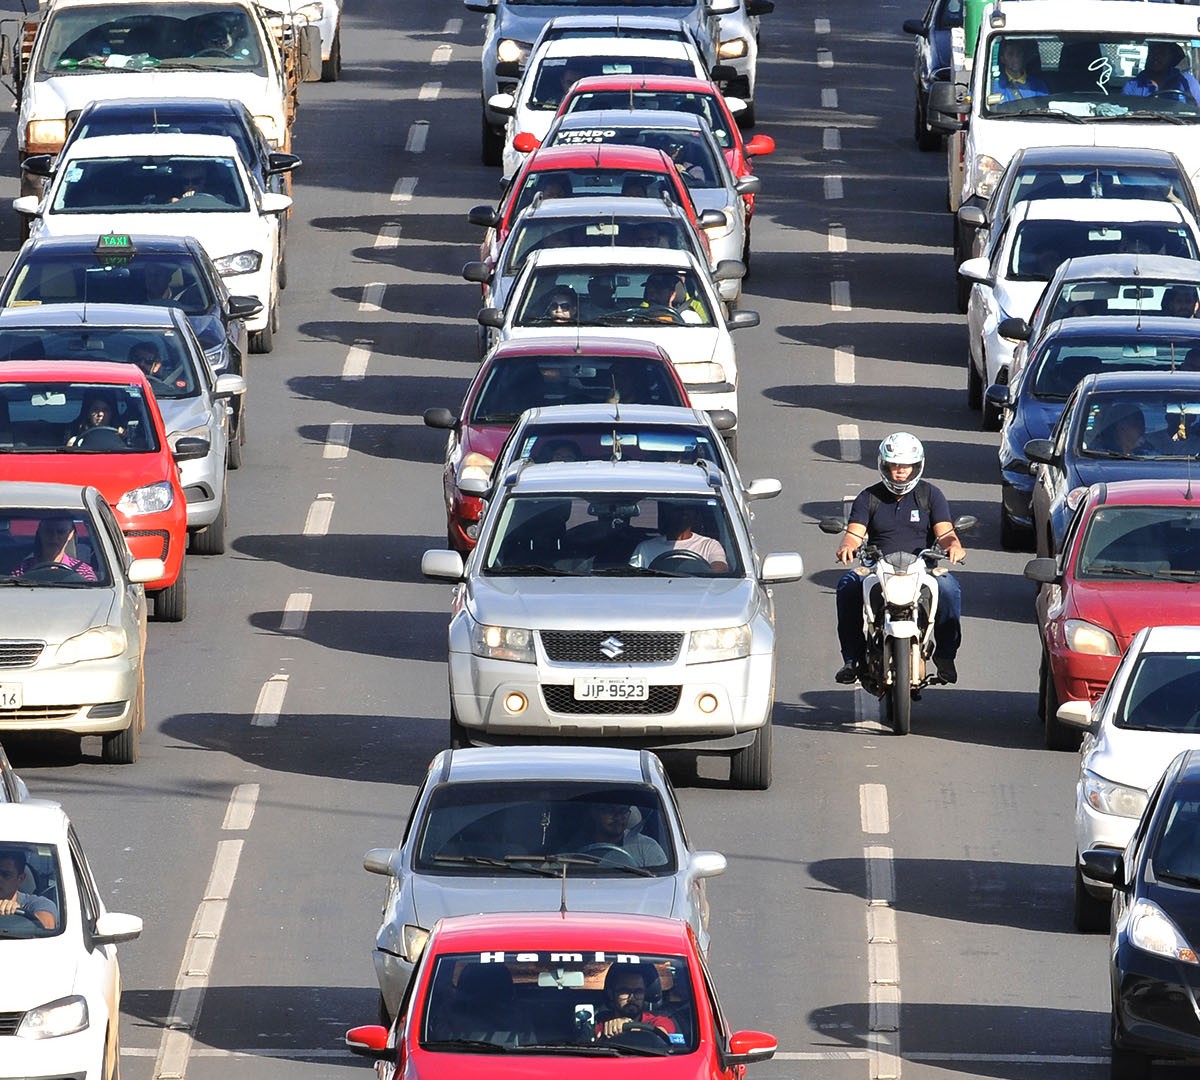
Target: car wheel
(281,271)
(746,254)
(1012,536)
(1089,913)
(1058,735)
(263,341)
(1128,1065)
(211,540)
(492,143)
(170,604)
(990,418)
(121,747)
(331,69)
(237,440)
(974,385)
(460,738)
(926,140)
(750,768)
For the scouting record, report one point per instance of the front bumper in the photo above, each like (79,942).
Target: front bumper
(393,974)
(997,357)
(158,536)
(69,1057)
(1155,1001)
(713,396)
(202,483)
(260,285)
(1016,493)
(1096,830)
(1080,676)
(85,698)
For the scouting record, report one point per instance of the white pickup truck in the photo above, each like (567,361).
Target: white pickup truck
(71,52)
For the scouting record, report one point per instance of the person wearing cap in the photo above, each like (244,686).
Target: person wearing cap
(1015,80)
(666,292)
(1162,75)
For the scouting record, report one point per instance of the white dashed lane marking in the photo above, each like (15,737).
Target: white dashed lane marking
(824,58)
(429,91)
(832,139)
(829,98)
(337,442)
(388,237)
(295,612)
(320,513)
(821,26)
(839,295)
(834,188)
(240,811)
(843,365)
(270,701)
(441,55)
(418,133)
(357,358)
(372,297)
(403,191)
(848,442)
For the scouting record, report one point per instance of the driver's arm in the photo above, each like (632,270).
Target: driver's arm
(852,539)
(46,918)
(947,539)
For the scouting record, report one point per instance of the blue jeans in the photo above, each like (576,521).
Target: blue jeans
(947,623)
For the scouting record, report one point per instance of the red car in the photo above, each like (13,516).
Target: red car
(98,423)
(1130,558)
(675,94)
(592,996)
(520,375)
(596,169)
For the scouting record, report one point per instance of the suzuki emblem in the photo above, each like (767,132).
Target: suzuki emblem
(612,647)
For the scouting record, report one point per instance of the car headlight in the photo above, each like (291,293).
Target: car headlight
(98,643)
(241,262)
(151,499)
(727,643)
(1106,797)
(414,942)
(476,466)
(200,432)
(1152,931)
(1084,637)
(511,51)
(269,126)
(44,136)
(732,216)
(701,374)
(312,11)
(217,358)
(62,1017)
(732,49)
(502,643)
(987,174)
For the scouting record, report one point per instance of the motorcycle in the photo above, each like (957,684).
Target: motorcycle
(900,598)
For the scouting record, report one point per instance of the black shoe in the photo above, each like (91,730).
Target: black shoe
(946,670)
(848,673)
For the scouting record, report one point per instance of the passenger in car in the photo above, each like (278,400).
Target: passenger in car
(1016,80)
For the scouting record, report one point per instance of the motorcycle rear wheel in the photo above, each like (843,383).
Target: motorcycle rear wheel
(899,693)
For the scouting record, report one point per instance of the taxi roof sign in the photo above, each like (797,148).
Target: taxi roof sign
(114,242)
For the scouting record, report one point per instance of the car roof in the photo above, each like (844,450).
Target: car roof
(548,930)
(42,496)
(689,84)
(618,23)
(1123,327)
(1184,639)
(591,206)
(86,242)
(1110,211)
(1147,492)
(156,143)
(87,315)
(642,118)
(1096,156)
(491,763)
(632,477)
(607,413)
(32,821)
(1148,382)
(1130,265)
(611,256)
(1115,16)
(600,156)
(577,345)
(616,47)
(67,371)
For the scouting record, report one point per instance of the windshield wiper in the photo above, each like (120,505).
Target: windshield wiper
(1183,879)
(595,860)
(1113,568)
(18,581)
(478,1046)
(1148,114)
(527,570)
(575,1049)
(1177,573)
(500,864)
(1048,114)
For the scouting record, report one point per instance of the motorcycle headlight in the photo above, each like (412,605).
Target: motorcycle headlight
(732,49)
(1084,637)
(476,467)
(1152,931)
(98,643)
(414,942)
(987,174)
(727,643)
(511,51)
(151,499)
(502,643)
(1106,797)
(901,589)
(62,1017)
(241,262)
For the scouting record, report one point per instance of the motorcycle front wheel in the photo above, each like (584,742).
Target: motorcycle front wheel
(899,692)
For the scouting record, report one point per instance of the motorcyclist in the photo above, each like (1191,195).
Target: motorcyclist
(900,513)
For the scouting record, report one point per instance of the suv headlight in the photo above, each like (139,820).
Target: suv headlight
(727,643)
(1152,931)
(62,1017)
(98,643)
(502,643)
(151,499)
(241,262)
(1083,637)
(987,174)
(1105,797)
(512,51)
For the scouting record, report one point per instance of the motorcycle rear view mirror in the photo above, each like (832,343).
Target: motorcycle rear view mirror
(965,523)
(831,525)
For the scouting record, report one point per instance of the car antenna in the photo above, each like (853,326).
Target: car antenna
(562,908)
(1172,356)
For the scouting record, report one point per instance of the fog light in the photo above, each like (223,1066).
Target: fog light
(707,703)
(515,702)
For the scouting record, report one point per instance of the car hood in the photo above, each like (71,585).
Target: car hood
(484,439)
(1137,758)
(112,474)
(1039,417)
(1124,607)
(209,330)
(219,233)
(53,614)
(566,603)
(1090,471)
(1018,298)
(49,970)
(73,92)
(438,897)
(182,414)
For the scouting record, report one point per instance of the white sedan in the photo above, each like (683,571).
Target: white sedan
(60,1005)
(174,185)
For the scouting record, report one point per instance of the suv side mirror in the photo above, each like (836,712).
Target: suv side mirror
(242,307)
(946,104)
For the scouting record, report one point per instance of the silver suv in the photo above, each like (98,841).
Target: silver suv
(616,602)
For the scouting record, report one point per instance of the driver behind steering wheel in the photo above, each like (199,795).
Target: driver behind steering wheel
(676,522)
(665,292)
(625,993)
(50,543)
(608,827)
(1162,74)
(12,902)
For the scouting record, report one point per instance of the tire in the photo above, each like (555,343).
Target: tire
(263,341)
(990,418)
(926,140)
(750,768)
(491,143)
(1057,735)
(170,604)
(121,747)
(1089,914)
(974,386)
(899,693)
(1012,536)
(211,540)
(746,254)
(237,440)
(731,441)
(331,69)
(281,271)
(1128,1065)
(460,738)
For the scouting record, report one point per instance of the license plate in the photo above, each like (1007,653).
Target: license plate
(610,690)
(10,696)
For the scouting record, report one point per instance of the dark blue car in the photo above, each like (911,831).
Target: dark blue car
(1070,350)
(931,62)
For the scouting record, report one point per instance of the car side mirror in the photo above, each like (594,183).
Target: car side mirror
(746,1047)
(38,165)
(723,419)
(369,1041)
(478,272)
(275,203)
(144,570)
(1044,571)
(229,385)
(1014,329)
(781,566)
(760,146)
(503,103)
(1040,451)
(483,6)
(380,860)
(113,927)
(765,488)
(712,219)
(27,205)
(526,142)
(757,8)
(707,864)
(723,73)
(475,486)
(483,216)
(447,565)
(729,270)
(491,316)
(972,216)
(279,162)
(748,185)
(190,448)
(243,307)
(976,270)
(441,418)
(1104,864)
(741,319)
(998,396)
(914,26)
(1076,714)
(947,102)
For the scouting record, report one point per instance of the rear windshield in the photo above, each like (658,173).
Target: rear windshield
(1101,182)
(565,183)
(556,75)
(1109,296)
(610,231)
(686,147)
(618,441)
(664,100)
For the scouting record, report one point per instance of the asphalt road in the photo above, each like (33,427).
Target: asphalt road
(890,904)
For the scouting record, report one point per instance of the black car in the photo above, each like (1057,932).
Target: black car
(931,62)
(1116,426)
(119,269)
(1068,172)
(1154,967)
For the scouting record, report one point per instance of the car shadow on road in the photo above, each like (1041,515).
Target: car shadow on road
(937,344)
(408,338)
(397,635)
(373,557)
(397,395)
(399,442)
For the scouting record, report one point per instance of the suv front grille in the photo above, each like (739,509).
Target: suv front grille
(20,653)
(561,699)
(587,646)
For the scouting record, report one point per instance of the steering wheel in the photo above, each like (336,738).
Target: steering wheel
(638,1028)
(651,313)
(689,562)
(213,52)
(1173,94)
(52,568)
(112,437)
(19,929)
(610,853)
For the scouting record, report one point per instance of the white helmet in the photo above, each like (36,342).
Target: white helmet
(901,448)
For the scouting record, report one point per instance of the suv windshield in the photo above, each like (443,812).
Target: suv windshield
(150,185)
(74,418)
(51,548)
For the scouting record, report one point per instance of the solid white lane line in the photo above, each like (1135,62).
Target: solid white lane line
(316,522)
(240,811)
(441,55)
(337,442)
(388,237)
(174,1049)
(832,140)
(295,612)
(403,191)
(429,91)
(418,132)
(821,26)
(357,358)
(883,952)
(873,809)
(839,295)
(824,58)
(270,701)
(837,239)
(372,299)
(843,365)
(829,98)
(453,26)
(834,188)
(848,443)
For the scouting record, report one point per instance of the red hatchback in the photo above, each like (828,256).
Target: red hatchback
(1130,558)
(98,423)
(593,996)
(520,375)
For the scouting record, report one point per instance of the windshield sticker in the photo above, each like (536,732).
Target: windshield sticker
(502,957)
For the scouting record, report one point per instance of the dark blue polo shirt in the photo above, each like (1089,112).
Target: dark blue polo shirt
(899,524)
